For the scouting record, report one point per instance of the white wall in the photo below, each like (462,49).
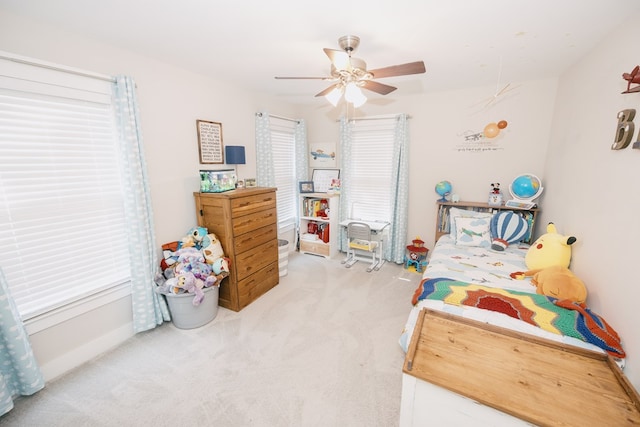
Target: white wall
(593,190)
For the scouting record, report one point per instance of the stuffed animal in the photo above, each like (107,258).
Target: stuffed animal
(184,283)
(191,260)
(189,254)
(194,237)
(220,265)
(548,261)
(552,248)
(212,248)
(560,282)
(169,254)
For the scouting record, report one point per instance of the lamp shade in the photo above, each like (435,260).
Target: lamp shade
(354,95)
(334,96)
(234,155)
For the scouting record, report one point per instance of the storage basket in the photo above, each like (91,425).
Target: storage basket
(187,316)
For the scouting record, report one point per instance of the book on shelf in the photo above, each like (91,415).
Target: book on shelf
(315,208)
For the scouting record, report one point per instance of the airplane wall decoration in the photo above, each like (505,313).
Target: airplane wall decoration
(632,77)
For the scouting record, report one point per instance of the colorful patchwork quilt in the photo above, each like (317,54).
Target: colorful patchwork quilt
(560,317)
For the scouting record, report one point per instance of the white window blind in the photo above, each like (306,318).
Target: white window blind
(62,233)
(283,143)
(371,168)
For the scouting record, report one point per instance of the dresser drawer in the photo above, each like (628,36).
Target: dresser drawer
(256,258)
(318,248)
(257,284)
(253,221)
(250,204)
(248,241)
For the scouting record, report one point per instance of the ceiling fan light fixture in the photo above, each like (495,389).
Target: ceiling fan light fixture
(354,95)
(341,62)
(334,96)
(359,102)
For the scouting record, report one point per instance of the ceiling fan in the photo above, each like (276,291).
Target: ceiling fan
(349,74)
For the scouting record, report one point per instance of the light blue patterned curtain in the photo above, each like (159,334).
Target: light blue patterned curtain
(345,178)
(395,251)
(302,159)
(19,372)
(149,308)
(265,176)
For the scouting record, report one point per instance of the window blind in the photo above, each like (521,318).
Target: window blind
(62,229)
(371,167)
(283,143)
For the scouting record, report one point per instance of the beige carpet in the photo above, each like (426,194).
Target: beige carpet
(320,349)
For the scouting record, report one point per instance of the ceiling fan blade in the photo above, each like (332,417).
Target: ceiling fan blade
(338,58)
(327,90)
(376,87)
(399,70)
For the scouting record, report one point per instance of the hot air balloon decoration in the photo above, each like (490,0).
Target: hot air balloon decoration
(507,227)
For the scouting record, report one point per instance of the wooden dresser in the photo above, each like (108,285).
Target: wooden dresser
(245,221)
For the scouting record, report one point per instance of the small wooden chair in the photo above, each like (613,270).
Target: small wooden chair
(359,239)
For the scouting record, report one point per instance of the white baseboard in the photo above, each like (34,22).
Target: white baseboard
(86,352)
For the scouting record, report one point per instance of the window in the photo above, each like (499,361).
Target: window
(372,143)
(62,223)
(283,143)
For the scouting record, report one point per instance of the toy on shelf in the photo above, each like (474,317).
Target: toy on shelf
(443,188)
(495,196)
(416,255)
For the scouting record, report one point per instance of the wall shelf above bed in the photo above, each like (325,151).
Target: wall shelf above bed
(443,222)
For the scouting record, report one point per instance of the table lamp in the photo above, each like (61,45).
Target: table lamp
(234,155)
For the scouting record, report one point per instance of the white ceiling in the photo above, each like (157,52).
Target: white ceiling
(462,42)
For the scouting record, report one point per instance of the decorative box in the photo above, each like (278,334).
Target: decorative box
(217,181)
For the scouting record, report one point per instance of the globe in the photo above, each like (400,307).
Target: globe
(526,187)
(443,188)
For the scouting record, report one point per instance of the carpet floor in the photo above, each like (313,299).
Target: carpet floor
(319,349)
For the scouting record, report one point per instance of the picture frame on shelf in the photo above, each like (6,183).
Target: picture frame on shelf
(322,179)
(334,187)
(306,187)
(250,182)
(210,144)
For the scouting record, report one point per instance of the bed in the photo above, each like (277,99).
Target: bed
(464,280)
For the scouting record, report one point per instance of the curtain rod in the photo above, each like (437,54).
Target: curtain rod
(24,60)
(374,118)
(280,117)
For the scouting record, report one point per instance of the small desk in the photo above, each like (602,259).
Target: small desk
(379,232)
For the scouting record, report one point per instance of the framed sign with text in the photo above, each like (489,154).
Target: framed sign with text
(210,142)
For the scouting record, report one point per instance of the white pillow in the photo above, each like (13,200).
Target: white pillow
(457,212)
(473,232)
